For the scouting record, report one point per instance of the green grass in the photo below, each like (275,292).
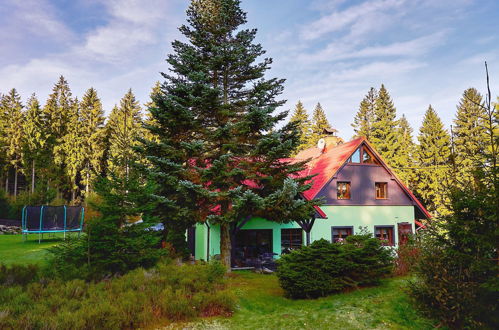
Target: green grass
(14,250)
(263,306)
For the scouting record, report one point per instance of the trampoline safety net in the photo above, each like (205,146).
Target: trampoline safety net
(41,219)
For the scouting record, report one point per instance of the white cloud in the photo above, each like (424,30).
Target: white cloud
(132,25)
(339,20)
(35,17)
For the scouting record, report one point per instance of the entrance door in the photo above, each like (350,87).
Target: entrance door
(251,244)
(404,231)
(191,240)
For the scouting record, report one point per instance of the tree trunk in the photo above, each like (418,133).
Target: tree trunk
(73,195)
(32,176)
(7,183)
(88,179)
(225,246)
(15,181)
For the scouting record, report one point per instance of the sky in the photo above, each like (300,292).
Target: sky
(329,51)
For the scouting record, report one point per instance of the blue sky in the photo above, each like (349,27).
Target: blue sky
(330,51)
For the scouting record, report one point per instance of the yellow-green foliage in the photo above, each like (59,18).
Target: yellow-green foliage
(139,299)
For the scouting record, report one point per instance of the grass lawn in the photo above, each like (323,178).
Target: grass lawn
(263,306)
(14,250)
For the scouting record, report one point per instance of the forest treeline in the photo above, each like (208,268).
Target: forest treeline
(58,149)
(437,159)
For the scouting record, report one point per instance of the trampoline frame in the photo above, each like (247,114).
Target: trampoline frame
(40,232)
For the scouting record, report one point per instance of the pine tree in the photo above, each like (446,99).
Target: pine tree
(220,156)
(404,159)
(319,124)
(470,140)
(93,134)
(69,152)
(363,121)
(12,110)
(57,112)
(124,127)
(432,155)
(300,117)
(149,119)
(3,143)
(35,139)
(384,127)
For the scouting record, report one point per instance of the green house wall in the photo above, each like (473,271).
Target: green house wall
(355,216)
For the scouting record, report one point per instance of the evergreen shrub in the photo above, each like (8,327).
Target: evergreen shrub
(324,268)
(106,250)
(456,277)
(140,299)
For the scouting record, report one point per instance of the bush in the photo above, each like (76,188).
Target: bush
(457,273)
(17,274)
(106,250)
(141,298)
(324,268)
(4,205)
(39,197)
(408,256)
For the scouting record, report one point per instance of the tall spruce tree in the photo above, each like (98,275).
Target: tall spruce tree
(384,127)
(35,139)
(300,116)
(470,139)
(404,159)
(69,152)
(219,149)
(319,124)
(124,127)
(149,119)
(363,121)
(57,112)
(92,135)
(13,115)
(433,158)
(3,144)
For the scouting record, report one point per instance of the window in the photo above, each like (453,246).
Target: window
(343,190)
(355,157)
(368,157)
(381,190)
(340,233)
(291,239)
(385,234)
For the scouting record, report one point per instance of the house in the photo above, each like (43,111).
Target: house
(358,189)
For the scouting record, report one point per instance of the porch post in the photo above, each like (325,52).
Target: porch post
(208,242)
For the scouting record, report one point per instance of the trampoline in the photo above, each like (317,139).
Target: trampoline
(51,219)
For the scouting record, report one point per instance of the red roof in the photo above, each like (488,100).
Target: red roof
(324,164)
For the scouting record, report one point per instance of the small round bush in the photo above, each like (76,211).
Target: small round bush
(324,268)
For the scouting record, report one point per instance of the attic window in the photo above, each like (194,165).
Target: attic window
(368,157)
(381,190)
(363,156)
(355,157)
